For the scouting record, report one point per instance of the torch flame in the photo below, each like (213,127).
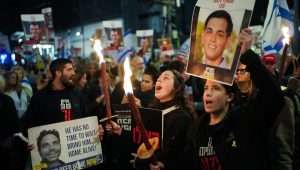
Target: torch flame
(286,35)
(127,74)
(98,49)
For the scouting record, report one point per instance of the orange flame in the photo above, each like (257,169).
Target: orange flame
(127,74)
(98,49)
(286,35)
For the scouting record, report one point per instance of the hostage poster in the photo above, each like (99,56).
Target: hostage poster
(67,145)
(113,31)
(214,51)
(145,44)
(34,27)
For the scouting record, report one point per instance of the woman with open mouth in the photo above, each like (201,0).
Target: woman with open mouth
(235,137)
(169,94)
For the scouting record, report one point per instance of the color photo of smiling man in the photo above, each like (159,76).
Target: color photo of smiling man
(216,37)
(214,50)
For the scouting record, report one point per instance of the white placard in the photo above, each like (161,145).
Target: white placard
(67,145)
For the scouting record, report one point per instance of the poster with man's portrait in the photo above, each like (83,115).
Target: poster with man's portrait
(145,38)
(113,41)
(67,145)
(214,51)
(145,43)
(165,46)
(34,27)
(113,30)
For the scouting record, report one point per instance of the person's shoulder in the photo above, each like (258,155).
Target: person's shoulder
(5,98)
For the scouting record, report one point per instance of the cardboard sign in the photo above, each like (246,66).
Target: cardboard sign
(214,51)
(67,145)
(151,119)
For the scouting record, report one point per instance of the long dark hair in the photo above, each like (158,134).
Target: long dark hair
(179,96)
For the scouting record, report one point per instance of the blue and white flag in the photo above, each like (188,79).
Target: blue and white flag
(130,40)
(278,16)
(184,48)
(125,52)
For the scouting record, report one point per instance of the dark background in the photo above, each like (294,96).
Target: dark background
(69,13)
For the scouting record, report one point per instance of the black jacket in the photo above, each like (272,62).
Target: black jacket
(240,141)
(176,125)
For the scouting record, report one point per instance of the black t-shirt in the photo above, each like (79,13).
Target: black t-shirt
(207,154)
(48,106)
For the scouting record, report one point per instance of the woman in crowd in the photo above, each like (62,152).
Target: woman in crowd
(22,77)
(80,79)
(227,137)
(146,91)
(169,92)
(16,92)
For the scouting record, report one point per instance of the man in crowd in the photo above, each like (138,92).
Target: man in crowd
(58,101)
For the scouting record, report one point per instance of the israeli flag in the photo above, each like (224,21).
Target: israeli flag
(130,40)
(278,16)
(125,52)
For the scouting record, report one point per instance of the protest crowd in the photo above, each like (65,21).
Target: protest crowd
(251,123)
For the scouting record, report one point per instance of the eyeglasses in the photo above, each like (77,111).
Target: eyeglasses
(241,71)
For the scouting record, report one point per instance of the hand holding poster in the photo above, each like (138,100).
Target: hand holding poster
(66,145)
(214,51)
